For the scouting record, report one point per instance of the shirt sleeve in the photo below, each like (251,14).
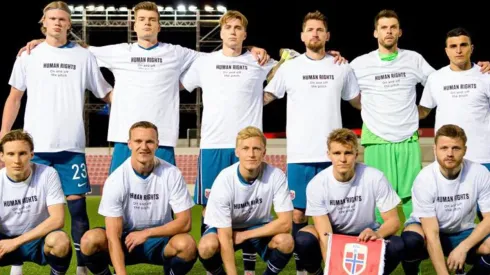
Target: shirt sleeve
(425,69)
(191,79)
(350,88)
(282,198)
(386,197)
(55,193)
(180,199)
(111,203)
(187,57)
(428,99)
(18,76)
(105,55)
(484,191)
(219,207)
(423,197)
(316,202)
(95,80)
(277,85)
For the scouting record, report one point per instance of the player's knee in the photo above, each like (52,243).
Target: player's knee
(414,245)
(57,244)
(93,241)
(299,216)
(208,246)
(284,243)
(305,241)
(185,246)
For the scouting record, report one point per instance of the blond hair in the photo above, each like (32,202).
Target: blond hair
(316,15)
(147,6)
(232,14)
(343,136)
(144,125)
(249,132)
(55,5)
(15,135)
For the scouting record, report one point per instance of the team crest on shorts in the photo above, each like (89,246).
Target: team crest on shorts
(292,194)
(207,192)
(355,256)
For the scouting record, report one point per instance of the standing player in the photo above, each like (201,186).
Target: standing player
(315,87)
(32,209)
(446,194)
(239,210)
(342,198)
(56,75)
(388,77)
(138,201)
(146,77)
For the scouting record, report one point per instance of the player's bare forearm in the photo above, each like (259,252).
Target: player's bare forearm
(323,227)
(225,237)
(391,223)
(268,98)
(430,227)
(181,224)
(114,228)
(282,224)
(11,110)
(481,230)
(423,112)
(56,220)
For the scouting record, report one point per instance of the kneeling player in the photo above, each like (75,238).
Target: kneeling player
(32,213)
(137,201)
(239,210)
(445,197)
(342,200)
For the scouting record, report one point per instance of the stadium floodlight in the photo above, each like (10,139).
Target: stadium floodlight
(221,8)
(100,8)
(181,8)
(169,9)
(79,8)
(192,8)
(123,9)
(90,8)
(160,8)
(111,8)
(71,7)
(208,8)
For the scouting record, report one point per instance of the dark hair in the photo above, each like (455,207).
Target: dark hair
(451,131)
(385,14)
(458,32)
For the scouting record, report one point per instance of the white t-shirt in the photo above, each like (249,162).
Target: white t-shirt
(389,93)
(462,98)
(145,203)
(56,80)
(232,95)
(146,87)
(350,205)
(24,205)
(315,89)
(235,204)
(452,202)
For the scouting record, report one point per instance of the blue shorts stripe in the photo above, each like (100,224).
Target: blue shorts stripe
(298,177)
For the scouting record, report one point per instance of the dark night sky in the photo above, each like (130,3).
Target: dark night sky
(277,24)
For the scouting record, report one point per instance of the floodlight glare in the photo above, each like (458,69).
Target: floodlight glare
(192,8)
(208,8)
(70,7)
(79,8)
(123,9)
(100,8)
(111,8)
(180,8)
(169,9)
(160,8)
(90,8)
(221,8)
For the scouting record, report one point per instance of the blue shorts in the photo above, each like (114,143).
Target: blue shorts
(261,245)
(32,251)
(299,175)
(487,165)
(122,153)
(210,163)
(149,252)
(72,169)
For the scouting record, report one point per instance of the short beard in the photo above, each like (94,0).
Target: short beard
(316,47)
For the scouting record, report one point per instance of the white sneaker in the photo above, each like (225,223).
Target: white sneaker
(302,272)
(82,270)
(16,270)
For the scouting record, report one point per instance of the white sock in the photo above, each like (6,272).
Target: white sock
(301,272)
(16,270)
(82,270)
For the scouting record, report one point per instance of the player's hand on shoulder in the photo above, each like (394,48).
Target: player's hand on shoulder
(368,235)
(29,46)
(338,58)
(485,66)
(260,55)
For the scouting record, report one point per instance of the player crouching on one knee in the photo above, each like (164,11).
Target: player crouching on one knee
(239,210)
(138,201)
(445,196)
(342,200)
(33,210)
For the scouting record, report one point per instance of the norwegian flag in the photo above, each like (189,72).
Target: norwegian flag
(347,256)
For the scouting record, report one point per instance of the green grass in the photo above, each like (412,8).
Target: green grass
(145,269)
